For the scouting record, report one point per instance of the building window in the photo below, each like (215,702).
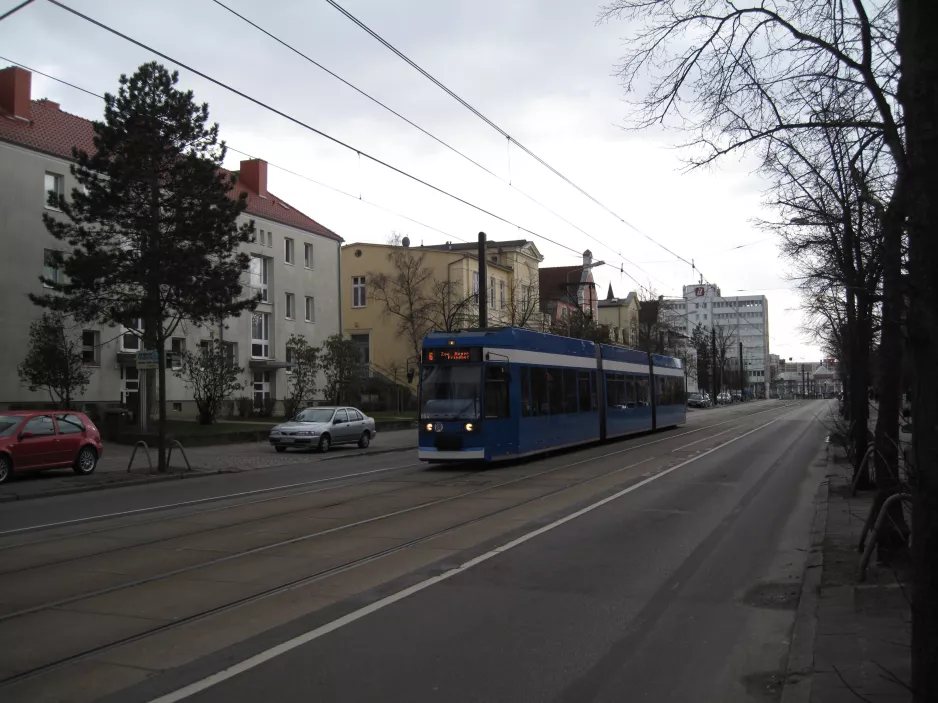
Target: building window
(177,407)
(308,255)
(502,293)
(310,309)
(90,344)
(130,340)
(525,296)
(260,335)
(54,190)
(130,383)
(50,268)
(289,358)
(363,342)
(288,250)
(491,291)
(358,291)
(260,276)
(289,309)
(261,388)
(475,287)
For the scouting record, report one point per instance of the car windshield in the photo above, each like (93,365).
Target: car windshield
(315,415)
(8,424)
(451,392)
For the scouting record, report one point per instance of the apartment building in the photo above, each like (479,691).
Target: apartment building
(745,318)
(512,273)
(566,289)
(620,315)
(294,266)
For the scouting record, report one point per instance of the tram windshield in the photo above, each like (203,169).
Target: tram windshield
(451,392)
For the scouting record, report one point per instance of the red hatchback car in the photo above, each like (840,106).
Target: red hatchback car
(42,439)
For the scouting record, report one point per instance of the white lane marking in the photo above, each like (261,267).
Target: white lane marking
(307,637)
(702,440)
(169,506)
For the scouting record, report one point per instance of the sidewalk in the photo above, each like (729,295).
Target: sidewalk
(111,471)
(861,631)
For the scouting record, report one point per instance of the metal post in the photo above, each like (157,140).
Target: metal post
(713,361)
(142,395)
(483,285)
(742,374)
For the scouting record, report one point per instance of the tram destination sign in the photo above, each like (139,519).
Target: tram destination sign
(455,355)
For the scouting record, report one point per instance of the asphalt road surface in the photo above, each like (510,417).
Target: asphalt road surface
(662,568)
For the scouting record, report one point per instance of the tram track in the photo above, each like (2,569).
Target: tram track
(347,565)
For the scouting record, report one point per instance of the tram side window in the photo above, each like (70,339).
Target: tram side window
(615,390)
(641,391)
(555,382)
(583,391)
(661,391)
(540,403)
(496,392)
(594,399)
(526,392)
(630,390)
(569,391)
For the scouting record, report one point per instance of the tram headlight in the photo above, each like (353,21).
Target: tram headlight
(429,427)
(468,427)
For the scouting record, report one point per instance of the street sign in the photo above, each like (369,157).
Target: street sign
(148,360)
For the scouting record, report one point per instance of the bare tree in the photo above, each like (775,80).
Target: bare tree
(523,307)
(724,339)
(406,295)
(450,308)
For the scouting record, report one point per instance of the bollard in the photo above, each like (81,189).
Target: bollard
(868,550)
(177,443)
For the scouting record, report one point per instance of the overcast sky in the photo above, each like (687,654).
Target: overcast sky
(540,69)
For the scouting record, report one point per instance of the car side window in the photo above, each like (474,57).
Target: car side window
(341,416)
(69,424)
(40,426)
(354,416)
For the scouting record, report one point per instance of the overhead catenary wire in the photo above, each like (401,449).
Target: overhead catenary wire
(298,122)
(244,153)
(505,134)
(498,129)
(426,132)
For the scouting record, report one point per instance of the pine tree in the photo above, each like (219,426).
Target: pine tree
(153,230)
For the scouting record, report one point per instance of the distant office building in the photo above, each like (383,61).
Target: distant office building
(746,317)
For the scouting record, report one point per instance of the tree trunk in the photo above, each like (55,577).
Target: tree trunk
(891,542)
(161,431)
(918,20)
(859,401)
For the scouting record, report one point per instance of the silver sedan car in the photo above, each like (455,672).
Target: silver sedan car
(321,428)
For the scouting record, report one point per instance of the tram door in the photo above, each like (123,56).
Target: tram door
(499,429)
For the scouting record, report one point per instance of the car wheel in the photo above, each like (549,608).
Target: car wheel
(6,468)
(365,439)
(280,450)
(86,462)
(324,443)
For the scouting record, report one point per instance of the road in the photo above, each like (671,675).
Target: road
(661,568)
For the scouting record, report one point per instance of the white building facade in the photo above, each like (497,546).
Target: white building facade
(745,318)
(295,266)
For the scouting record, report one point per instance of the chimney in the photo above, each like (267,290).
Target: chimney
(15,92)
(587,258)
(253,176)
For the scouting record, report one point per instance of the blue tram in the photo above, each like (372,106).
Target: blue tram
(507,393)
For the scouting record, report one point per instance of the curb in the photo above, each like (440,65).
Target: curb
(799,673)
(11,498)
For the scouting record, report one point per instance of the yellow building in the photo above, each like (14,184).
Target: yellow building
(620,315)
(392,295)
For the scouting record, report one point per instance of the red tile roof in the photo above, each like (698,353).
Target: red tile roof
(52,131)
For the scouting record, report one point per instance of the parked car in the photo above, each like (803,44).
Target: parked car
(697,400)
(321,428)
(724,398)
(42,439)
